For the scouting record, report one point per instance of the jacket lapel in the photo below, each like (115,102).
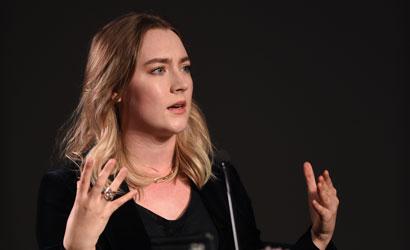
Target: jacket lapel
(213,196)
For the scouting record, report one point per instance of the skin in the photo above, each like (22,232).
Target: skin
(162,78)
(149,127)
(323,203)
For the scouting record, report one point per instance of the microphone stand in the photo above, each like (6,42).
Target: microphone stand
(228,192)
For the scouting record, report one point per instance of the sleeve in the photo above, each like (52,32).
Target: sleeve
(54,204)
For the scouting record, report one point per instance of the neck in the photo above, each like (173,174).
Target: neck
(151,154)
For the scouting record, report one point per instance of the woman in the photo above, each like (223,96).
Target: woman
(141,174)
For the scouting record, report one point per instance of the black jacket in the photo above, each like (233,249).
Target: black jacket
(125,229)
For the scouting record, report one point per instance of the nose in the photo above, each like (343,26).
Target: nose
(179,83)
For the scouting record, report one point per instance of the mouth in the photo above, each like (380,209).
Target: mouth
(178,107)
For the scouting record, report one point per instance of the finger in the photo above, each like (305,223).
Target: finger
(121,200)
(322,182)
(323,192)
(310,178)
(321,210)
(102,178)
(328,183)
(328,195)
(328,180)
(322,179)
(119,179)
(85,179)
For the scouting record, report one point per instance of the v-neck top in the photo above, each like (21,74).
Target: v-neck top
(195,222)
(125,228)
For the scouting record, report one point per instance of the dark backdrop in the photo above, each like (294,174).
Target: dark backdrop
(280,83)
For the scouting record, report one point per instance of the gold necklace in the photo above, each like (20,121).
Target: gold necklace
(162,179)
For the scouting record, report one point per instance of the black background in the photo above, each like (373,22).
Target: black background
(280,82)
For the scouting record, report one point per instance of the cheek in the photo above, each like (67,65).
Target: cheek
(146,98)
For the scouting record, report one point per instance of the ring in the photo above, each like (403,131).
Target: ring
(108,194)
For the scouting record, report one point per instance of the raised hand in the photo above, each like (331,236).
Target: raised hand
(91,211)
(323,204)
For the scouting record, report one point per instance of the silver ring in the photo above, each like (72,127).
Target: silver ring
(108,194)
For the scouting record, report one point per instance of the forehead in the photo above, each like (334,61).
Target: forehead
(161,43)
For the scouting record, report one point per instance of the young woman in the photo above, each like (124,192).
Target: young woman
(141,173)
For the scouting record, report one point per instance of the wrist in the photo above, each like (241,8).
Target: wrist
(70,244)
(319,241)
(73,247)
(69,248)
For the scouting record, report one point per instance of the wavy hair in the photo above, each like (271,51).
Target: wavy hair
(94,129)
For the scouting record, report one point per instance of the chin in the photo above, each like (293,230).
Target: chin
(179,129)
(173,129)
(176,126)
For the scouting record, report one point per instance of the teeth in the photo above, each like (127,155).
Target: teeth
(176,106)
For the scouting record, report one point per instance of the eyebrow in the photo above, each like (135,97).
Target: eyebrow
(165,60)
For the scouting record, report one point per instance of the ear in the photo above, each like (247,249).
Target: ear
(116,97)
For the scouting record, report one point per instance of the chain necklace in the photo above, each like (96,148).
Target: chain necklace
(164,178)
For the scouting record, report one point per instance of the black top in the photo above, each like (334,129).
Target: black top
(125,229)
(193,224)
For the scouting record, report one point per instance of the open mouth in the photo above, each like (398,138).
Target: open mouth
(178,107)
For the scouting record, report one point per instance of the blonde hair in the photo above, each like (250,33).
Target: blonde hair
(94,129)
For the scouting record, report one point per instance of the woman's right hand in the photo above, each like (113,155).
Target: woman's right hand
(91,211)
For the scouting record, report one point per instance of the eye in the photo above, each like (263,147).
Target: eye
(158,71)
(187,68)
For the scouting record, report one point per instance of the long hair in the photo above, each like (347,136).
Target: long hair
(94,129)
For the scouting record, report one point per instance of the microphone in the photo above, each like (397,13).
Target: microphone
(223,157)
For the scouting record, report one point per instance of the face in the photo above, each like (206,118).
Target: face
(158,99)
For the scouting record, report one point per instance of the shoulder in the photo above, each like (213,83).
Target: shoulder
(223,170)
(216,194)
(56,196)
(60,178)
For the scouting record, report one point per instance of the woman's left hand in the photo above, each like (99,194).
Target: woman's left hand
(323,204)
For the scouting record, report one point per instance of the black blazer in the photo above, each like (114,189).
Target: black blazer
(125,229)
